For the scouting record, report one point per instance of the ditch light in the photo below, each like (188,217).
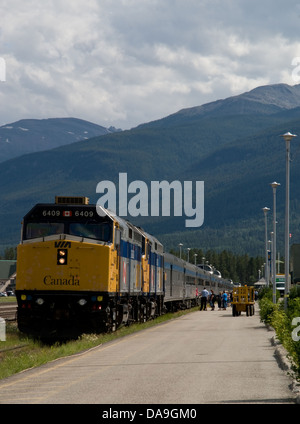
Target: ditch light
(62,256)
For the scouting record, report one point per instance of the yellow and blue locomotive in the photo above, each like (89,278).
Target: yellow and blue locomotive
(84,269)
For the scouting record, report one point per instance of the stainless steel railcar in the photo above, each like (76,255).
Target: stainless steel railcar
(185,281)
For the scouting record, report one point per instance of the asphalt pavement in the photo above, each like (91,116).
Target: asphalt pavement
(205,357)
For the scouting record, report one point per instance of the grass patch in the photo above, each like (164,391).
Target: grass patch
(8,299)
(19,352)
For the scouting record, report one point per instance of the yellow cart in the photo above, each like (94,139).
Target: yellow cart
(243,301)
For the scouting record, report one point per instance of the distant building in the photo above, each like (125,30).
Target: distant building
(295,263)
(7,274)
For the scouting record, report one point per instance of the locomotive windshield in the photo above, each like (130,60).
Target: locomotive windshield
(99,231)
(43,229)
(43,222)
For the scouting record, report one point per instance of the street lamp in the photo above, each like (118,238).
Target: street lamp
(271,264)
(287,137)
(195,256)
(270,257)
(274,186)
(188,249)
(266,210)
(180,246)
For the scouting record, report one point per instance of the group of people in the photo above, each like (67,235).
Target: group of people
(223,299)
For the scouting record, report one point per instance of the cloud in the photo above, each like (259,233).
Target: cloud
(126,62)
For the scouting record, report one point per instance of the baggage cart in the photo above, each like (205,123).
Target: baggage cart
(243,301)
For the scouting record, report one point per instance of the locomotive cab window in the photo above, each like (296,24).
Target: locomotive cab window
(94,230)
(43,229)
(99,231)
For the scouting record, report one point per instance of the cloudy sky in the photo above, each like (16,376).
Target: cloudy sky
(126,62)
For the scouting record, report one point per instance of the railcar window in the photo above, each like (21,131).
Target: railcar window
(98,231)
(43,229)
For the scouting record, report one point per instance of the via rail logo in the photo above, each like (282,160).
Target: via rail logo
(2,70)
(137,199)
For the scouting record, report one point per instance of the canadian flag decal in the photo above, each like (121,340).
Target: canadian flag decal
(67,213)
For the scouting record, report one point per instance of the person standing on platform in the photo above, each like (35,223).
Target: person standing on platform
(224,298)
(212,300)
(204,296)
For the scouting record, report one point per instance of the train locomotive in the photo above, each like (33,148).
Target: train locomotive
(81,268)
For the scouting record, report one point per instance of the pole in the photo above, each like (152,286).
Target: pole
(287,137)
(274,186)
(180,246)
(272,260)
(287,223)
(267,273)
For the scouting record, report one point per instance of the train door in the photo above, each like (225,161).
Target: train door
(145,265)
(159,263)
(171,280)
(132,268)
(124,267)
(151,273)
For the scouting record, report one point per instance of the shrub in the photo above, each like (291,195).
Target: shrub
(294,292)
(281,321)
(267,308)
(267,292)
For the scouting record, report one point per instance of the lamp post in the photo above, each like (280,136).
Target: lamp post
(287,137)
(195,257)
(188,249)
(180,246)
(270,259)
(267,277)
(271,256)
(274,186)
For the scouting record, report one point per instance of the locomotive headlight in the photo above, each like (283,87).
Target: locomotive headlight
(62,256)
(40,301)
(82,302)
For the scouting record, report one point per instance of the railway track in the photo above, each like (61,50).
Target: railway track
(8,311)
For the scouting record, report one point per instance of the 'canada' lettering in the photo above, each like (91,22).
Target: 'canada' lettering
(50,281)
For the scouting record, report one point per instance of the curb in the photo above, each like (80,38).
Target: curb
(286,364)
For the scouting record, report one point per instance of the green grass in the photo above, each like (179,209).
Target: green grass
(8,299)
(31,353)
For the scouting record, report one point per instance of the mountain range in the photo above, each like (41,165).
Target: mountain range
(234,145)
(34,135)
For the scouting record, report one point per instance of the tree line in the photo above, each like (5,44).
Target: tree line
(239,268)
(10,253)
